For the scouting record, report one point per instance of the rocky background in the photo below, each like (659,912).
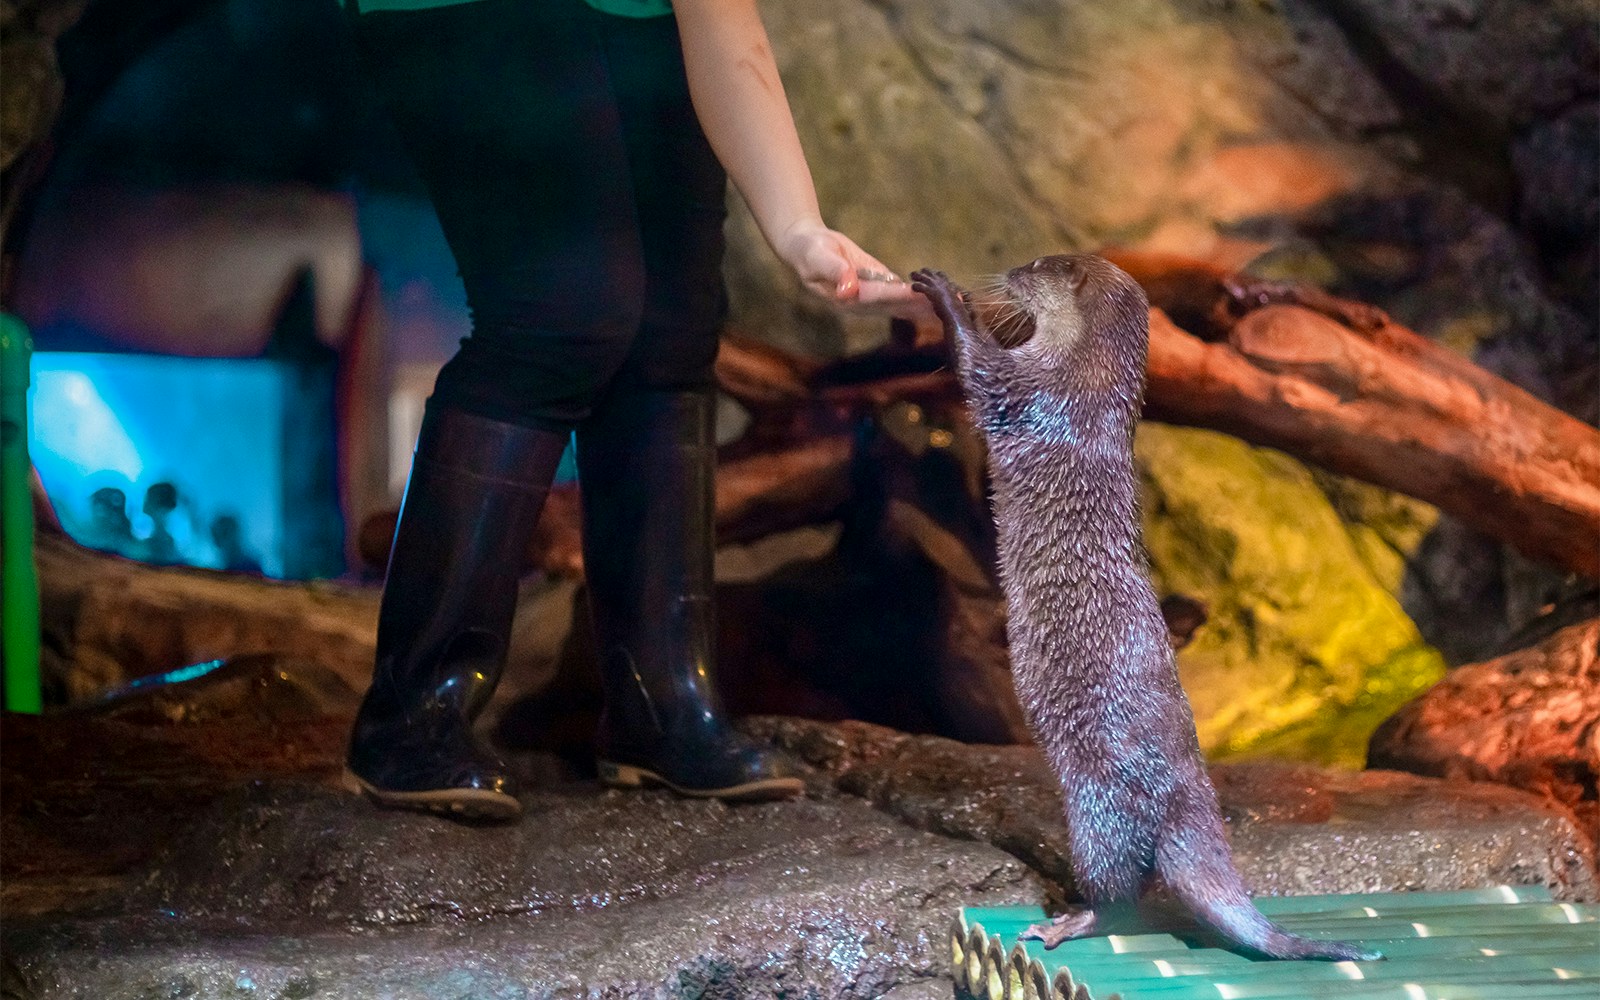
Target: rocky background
(1439,158)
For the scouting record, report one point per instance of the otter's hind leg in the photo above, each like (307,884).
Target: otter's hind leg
(1076,922)
(1111,840)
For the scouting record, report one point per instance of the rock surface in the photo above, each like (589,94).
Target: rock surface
(597,894)
(213,860)
(1294,828)
(1436,158)
(1530,719)
(1306,648)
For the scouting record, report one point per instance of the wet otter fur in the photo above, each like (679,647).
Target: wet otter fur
(1091,659)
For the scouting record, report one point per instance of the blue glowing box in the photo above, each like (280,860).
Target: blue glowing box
(224,463)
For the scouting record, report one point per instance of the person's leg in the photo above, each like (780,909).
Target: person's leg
(506,110)
(646,461)
(444,625)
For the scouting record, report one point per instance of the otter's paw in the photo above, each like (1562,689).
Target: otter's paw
(1074,923)
(949,302)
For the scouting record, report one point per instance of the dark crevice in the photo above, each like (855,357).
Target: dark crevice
(1470,154)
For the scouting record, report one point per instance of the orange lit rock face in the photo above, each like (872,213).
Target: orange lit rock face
(1530,719)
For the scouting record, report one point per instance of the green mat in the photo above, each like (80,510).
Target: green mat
(1504,943)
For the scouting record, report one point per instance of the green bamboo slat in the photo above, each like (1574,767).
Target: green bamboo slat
(1374,929)
(1514,943)
(1464,916)
(1491,944)
(1276,906)
(1301,989)
(1273,906)
(1274,979)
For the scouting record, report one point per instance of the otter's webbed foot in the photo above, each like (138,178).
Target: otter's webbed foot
(1075,923)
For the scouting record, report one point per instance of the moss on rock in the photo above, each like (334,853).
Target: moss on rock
(1307,648)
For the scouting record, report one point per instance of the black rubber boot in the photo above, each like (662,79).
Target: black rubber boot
(476,489)
(645,465)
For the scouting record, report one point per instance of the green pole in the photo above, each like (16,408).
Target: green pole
(19,577)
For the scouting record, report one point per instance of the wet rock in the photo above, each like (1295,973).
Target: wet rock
(88,801)
(1294,828)
(1529,719)
(1557,164)
(590,894)
(228,870)
(1559,178)
(1306,647)
(1497,63)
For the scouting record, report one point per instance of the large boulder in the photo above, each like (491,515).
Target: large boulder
(1529,719)
(1306,648)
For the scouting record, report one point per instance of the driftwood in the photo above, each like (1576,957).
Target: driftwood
(1332,382)
(1474,446)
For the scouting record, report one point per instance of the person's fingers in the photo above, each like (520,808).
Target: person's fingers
(847,285)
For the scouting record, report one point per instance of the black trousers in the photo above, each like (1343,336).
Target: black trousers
(582,202)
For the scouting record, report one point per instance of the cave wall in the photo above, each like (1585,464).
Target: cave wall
(1440,158)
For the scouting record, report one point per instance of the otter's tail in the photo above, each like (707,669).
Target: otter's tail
(1238,920)
(1195,862)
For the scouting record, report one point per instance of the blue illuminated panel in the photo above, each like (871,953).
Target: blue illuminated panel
(213,429)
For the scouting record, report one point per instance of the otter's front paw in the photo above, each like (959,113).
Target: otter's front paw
(949,301)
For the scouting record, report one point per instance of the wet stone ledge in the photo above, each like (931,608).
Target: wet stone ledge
(255,876)
(1294,828)
(301,891)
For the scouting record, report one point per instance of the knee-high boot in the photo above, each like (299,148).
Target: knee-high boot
(646,462)
(476,488)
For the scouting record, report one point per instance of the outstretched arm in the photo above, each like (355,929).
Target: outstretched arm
(742,107)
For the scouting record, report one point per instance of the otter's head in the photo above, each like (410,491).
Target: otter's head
(1083,318)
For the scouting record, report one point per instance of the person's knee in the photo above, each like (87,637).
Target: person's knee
(535,374)
(672,357)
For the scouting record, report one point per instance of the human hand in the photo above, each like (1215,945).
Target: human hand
(831,265)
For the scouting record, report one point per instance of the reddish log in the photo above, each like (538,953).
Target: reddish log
(1529,719)
(1476,447)
(1337,384)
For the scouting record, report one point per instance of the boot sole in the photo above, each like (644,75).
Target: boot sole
(616,775)
(466,803)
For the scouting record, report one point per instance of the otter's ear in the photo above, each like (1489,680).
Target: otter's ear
(1076,275)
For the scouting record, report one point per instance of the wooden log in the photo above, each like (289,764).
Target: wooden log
(1334,383)
(107,620)
(1207,300)
(1473,445)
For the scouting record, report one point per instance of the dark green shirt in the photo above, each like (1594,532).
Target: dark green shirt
(621,8)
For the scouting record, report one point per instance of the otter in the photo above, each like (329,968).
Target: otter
(1055,383)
